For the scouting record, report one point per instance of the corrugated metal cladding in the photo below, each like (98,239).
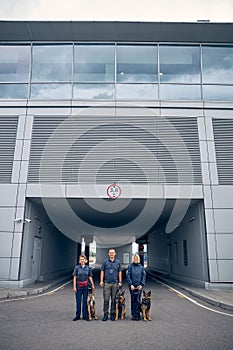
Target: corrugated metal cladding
(107,149)
(8,130)
(223,132)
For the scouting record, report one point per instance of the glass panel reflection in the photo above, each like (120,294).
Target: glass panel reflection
(52,63)
(137,63)
(51,91)
(218,93)
(14,63)
(217,64)
(137,92)
(180,92)
(14,91)
(94,63)
(179,64)
(94,91)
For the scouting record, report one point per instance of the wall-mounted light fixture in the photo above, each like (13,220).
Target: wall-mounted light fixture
(23,220)
(191,219)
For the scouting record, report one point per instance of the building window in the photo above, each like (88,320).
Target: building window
(51,91)
(13,91)
(14,63)
(218,92)
(179,64)
(179,92)
(94,63)
(137,92)
(137,63)
(185,252)
(94,91)
(51,63)
(217,64)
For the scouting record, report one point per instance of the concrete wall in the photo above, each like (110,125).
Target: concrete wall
(58,253)
(166,253)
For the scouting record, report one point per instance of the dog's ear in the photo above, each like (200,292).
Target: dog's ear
(144,293)
(149,293)
(123,292)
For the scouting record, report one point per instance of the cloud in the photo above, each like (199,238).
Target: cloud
(131,10)
(17,9)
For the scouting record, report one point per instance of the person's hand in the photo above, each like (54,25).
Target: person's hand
(119,284)
(93,287)
(101,284)
(75,290)
(140,287)
(132,287)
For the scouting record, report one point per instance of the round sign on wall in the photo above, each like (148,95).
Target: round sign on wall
(113,191)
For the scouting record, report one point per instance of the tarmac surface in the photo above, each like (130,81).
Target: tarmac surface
(219,297)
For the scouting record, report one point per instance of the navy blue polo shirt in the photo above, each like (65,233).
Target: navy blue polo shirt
(111,270)
(82,273)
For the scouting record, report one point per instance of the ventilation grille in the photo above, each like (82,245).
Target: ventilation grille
(8,130)
(108,149)
(185,253)
(223,132)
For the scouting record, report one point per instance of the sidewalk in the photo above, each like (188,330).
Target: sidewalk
(218,297)
(32,289)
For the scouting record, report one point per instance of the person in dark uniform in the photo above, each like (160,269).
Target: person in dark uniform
(110,280)
(136,278)
(82,273)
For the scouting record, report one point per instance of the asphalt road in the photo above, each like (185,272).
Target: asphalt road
(45,322)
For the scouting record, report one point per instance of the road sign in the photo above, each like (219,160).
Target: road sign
(113,191)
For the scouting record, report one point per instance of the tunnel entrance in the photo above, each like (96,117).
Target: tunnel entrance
(179,254)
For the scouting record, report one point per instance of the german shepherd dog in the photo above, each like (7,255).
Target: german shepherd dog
(120,304)
(91,307)
(146,306)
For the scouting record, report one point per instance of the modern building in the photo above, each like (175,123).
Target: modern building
(117,132)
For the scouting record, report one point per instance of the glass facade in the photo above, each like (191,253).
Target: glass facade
(110,71)
(137,64)
(94,63)
(217,64)
(51,63)
(179,64)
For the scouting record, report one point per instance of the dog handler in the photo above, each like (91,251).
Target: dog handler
(136,278)
(81,274)
(110,280)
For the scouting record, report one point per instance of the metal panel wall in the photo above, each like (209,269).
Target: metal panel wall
(104,149)
(223,131)
(8,129)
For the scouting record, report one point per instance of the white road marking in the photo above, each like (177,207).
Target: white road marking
(35,296)
(194,301)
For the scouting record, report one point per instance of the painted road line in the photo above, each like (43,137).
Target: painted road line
(36,296)
(194,301)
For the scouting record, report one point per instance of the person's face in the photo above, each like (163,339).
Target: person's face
(112,253)
(82,261)
(135,259)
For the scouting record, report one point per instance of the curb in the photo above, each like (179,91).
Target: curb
(205,298)
(13,293)
(208,300)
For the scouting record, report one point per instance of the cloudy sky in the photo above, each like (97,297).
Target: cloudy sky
(118,10)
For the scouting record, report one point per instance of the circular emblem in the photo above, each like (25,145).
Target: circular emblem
(113,191)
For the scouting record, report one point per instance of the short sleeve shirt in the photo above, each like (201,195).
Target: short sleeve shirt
(82,273)
(111,270)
